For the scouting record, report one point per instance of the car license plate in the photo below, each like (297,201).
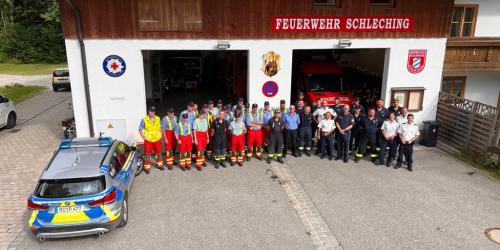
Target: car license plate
(71,209)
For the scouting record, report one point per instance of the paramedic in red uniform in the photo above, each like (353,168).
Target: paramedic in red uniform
(238,130)
(254,122)
(184,138)
(151,132)
(200,135)
(169,123)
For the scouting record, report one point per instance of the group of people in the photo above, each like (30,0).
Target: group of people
(240,132)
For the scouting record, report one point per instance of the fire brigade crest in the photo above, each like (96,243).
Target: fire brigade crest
(114,66)
(271,63)
(416,60)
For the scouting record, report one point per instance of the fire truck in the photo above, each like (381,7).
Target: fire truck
(323,80)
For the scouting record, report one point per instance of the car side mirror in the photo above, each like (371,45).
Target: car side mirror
(133,148)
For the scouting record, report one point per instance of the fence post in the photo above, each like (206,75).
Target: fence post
(470,126)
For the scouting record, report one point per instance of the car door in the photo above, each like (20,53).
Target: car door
(3,111)
(121,162)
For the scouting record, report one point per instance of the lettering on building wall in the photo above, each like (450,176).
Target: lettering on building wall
(342,23)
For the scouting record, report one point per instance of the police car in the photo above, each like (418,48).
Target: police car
(84,189)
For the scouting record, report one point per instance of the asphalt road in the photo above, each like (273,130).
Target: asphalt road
(233,208)
(36,80)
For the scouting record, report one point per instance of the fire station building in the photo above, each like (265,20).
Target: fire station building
(126,55)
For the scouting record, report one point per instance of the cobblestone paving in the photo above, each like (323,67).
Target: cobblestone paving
(24,153)
(314,224)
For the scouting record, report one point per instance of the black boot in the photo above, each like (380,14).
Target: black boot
(217,164)
(280,160)
(398,165)
(300,153)
(338,157)
(223,164)
(388,163)
(356,160)
(410,167)
(379,162)
(308,153)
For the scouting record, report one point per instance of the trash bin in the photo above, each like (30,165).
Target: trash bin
(430,134)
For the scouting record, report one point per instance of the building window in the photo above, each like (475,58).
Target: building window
(327,2)
(463,21)
(411,98)
(454,85)
(384,3)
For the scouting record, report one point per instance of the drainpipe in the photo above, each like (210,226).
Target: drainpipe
(79,35)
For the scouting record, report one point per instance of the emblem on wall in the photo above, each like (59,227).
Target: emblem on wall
(271,63)
(114,65)
(270,89)
(416,60)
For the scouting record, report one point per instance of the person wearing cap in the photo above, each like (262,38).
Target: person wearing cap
(200,135)
(371,126)
(254,121)
(292,122)
(344,124)
(267,114)
(240,102)
(355,104)
(169,124)
(356,129)
(183,134)
(324,134)
(151,132)
(283,109)
(191,112)
(305,131)
(219,134)
(238,131)
(276,126)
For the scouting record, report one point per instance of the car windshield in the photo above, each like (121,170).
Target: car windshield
(61,73)
(69,187)
(324,83)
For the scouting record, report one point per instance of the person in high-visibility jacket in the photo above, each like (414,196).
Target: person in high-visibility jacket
(183,134)
(200,135)
(209,117)
(238,131)
(169,124)
(267,114)
(254,121)
(151,132)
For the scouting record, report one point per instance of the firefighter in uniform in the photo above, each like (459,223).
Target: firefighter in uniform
(219,130)
(151,132)
(292,122)
(344,124)
(169,123)
(337,107)
(276,126)
(356,103)
(183,134)
(201,139)
(305,131)
(267,114)
(238,131)
(370,126)
(209,116)
(254,121)
(324,134)
(395,108)
(381,114)
(389,131)
(408,134)
(356,129)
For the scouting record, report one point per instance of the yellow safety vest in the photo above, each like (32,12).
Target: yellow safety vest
(169,122)
(198,124)
(181,129)
(152,131)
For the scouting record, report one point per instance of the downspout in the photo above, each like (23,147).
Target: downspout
(79,35)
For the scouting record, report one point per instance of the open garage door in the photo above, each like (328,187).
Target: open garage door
(173,78)
(345,73)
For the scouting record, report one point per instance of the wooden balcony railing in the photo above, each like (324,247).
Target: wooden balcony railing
(472,54)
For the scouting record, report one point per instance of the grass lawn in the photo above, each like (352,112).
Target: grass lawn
(29,69)
(19,93)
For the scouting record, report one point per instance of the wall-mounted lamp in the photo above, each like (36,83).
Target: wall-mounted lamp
(344,43)
(223,45)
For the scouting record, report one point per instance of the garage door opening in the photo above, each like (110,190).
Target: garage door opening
(346,73)
(173,78)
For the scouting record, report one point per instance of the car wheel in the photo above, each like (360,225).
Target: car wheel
(124,216)
(55,88)
(11,120)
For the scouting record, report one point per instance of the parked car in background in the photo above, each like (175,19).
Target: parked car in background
(60,79)
(8,116)
(84,190)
